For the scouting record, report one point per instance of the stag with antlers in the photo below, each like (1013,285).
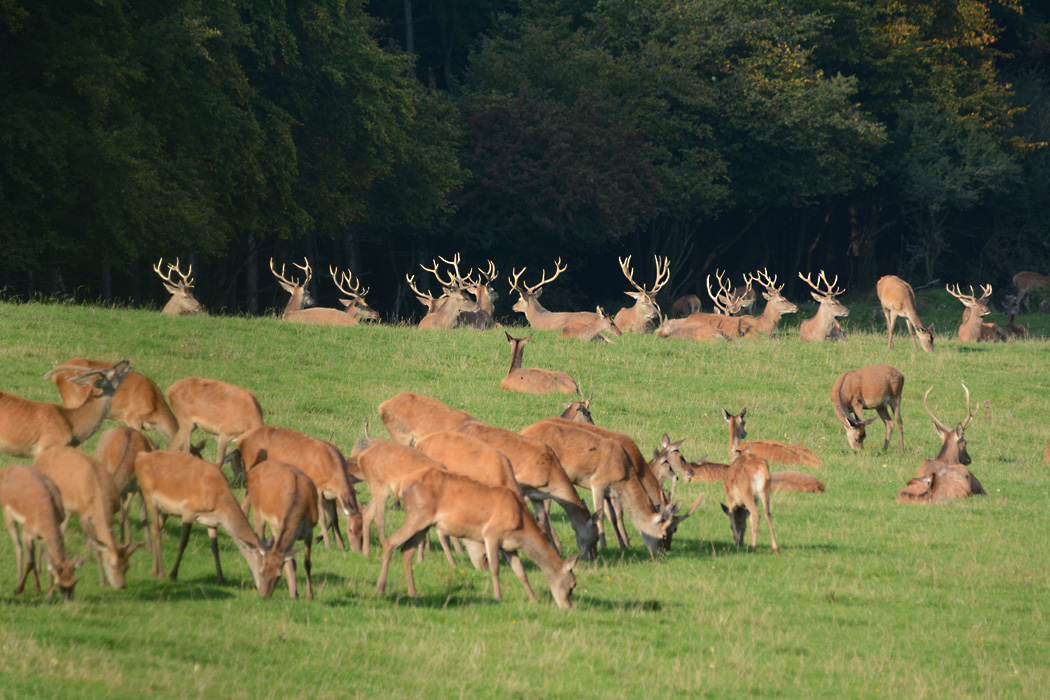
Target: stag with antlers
(823,326)
(454,308)
(776,304)
(538,317)
(182,300)
(639,318)
(972,329)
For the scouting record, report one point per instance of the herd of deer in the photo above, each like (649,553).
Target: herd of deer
(467,479)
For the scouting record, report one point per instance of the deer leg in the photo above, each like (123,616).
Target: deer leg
(891,319)
(492,552)
(213,537)
(408,537)
(764,496)
(541,506)
(30,565)
(184,538)
(367,514)
(12,530)
(333,521)
(476,552)
(752,517)
(888,422)
(897,417)
(516,566)
(322,520)
(619,524)
(308,565)
(408,549)
(597,497)
(289,576)
(911,330)
(443,540)
(154,537)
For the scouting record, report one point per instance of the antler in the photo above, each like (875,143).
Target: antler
(558,269)
(936,421)
(663,274)
(969,413)
(969,300)
(762,277)
(830,293)
(352,289)
(411,279)
(287,281)
(459,281)
(187,281)
(725,292)
(433,270)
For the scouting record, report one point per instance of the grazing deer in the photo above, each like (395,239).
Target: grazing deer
(769,450)
(89,491)
(898,299)
(972,329)
(283,497)
(138,401)
(878,387)
(296,311)
(685,305)
(593,330)
(823,325)
(492,515)
(531,380)
(182,485)
(1026,283)
(182,300)
(538,317)
(32,501)
(116,451)
(579,411)
(776,304)
(215,407)
(639,318)
(322,462)
(27,427)
(354,305)
(746,477)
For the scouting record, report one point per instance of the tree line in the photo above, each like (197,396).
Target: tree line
(857,137)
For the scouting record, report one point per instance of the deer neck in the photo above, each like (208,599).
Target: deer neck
(517,351)
(173,307)
(825,320)
(296,302)
(537,316)
(970,328)
(86,418)
(841,410)
(485,300)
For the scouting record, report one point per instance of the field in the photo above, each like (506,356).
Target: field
(868,598)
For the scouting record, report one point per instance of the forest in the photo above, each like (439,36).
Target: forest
(861,138)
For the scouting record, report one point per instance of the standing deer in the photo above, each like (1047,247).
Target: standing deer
(410,417)
(873,387)
(972,329)
(685,305)
(27,427)
(215,407)
(639,318)
(746,477)
(182,300)
(769,450)
(116,451)
(532,380)
(538,317)
(1027,282)
(32,501)
(138,401)
(898,299)
(823,326)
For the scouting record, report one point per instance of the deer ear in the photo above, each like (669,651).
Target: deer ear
(634,295)
(816,297)
(571,564)
(725,414)
(869,421)
(724,509)
(743,413)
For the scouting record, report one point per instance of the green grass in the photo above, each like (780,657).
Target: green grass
(869,598)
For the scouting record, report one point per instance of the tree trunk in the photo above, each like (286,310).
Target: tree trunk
(252,275)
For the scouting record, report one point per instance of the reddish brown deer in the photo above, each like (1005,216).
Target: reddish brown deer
(639,318)
(354,305)
(296,311)
(746,478)
(538,317)
(898,299)
(27,427)
(776,304)
(769,450)
(1026,283)
(592,331)
(461,507)
(685,305)
(823,325)
(214,406)
(116,451)
(138,401)
(878,387)
(972,329)
(531,380)
(410,417)
(182,300)
(32,501)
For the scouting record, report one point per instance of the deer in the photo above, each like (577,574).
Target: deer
(354,305)
(531,380)
(1014,329)
(878,387)
(601,465)
(746,477)
(972,329)
(28,427)
(528,302)
(284,498)
(185,486)
(462,507)
(594,330)
(322,462)
(32,501)
(455,308)
(182,300)
(776,304)
(89,491)
(769,450)
(796,481)
(639,318)
(579,410)
(410,417)
(116,451)
(700,331)
(898,299)
(823,325)
(484,295)
(138,401)
(1026,283)
(296,311)
(214,406)
(685,305)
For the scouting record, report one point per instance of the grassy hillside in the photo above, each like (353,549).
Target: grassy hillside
(868,598)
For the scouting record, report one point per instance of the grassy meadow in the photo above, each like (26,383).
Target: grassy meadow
(868,598)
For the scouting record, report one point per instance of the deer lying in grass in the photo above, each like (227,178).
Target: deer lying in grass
(32,501)
(538,317)
(28,428)
(138,401)
(769,450)
(972,329)
(776,304)
(461,507)
(639,318)
(182,300)
(898,299)
(878,387)
(594,330)
(823,325)
(531,380)
(89,491)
